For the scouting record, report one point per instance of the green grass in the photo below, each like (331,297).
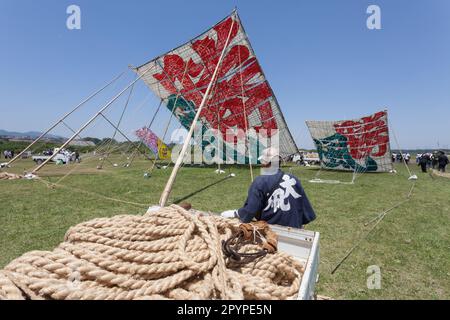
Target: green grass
(411,245)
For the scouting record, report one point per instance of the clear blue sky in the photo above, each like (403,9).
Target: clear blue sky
(319,57)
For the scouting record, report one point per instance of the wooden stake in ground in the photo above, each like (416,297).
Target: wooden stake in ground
(170,182)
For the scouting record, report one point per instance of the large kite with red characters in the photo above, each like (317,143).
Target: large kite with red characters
(353,145)
(241,97)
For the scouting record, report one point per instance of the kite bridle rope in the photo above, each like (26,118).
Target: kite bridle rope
(171,113)
(78,165)
(133,155)
(317,179)
(378,220)
(364,169)
(118,125)
(219,133)
(401,152)
(176,100)
(91,193)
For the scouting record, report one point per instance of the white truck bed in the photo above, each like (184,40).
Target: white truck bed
(304,246)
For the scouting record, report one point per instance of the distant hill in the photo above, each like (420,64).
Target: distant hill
(28,134)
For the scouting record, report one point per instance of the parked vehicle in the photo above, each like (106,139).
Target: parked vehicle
(305,158)
(61,155)
(48,152)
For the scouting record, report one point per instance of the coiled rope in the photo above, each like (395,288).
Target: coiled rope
(167,254)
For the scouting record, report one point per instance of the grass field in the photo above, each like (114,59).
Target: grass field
(411,245)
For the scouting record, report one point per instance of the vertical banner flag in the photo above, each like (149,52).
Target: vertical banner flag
(155,144)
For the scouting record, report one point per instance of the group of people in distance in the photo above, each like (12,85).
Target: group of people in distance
(399,157)
(8,154)
(437,159)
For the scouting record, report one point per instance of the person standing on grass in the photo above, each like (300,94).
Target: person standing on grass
(442,161)
(407,158)
(423,162)
(430,159)
(275,197)
(434,160)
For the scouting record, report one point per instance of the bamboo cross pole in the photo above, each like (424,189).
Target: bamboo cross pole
(173,175)
(89,121)
(64,117)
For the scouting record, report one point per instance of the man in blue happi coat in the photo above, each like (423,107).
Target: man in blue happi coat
(275,197)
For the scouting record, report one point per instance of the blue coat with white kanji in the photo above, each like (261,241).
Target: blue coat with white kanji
(280,199)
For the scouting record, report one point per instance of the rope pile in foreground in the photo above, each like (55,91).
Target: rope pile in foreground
(9,176)
(167,254)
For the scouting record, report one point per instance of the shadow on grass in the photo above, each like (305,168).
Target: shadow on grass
(177,201)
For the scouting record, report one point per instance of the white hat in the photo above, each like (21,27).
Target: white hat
(268,155)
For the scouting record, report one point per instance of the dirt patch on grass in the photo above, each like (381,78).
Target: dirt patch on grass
(440,174)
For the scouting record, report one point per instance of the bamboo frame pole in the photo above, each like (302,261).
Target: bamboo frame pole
(90,121)
(64,117)
(121,132)
(247,151)
(170,182)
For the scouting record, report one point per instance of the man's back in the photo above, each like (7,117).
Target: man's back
(279,199)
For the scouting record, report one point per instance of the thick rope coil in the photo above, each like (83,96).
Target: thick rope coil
(8,290)
(168,254)
(255,233)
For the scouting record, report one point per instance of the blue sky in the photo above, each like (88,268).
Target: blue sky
(318,55)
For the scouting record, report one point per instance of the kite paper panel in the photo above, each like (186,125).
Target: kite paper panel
(155,144)
(353,145)
(240,98)
(148,138)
